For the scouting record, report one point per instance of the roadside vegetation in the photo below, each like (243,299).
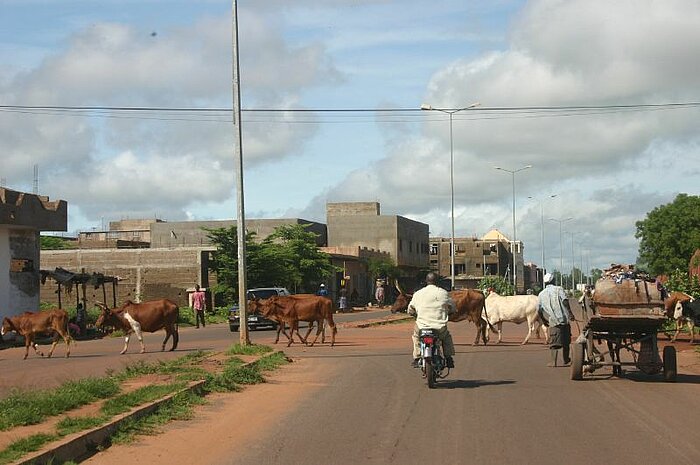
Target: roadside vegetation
(219,372)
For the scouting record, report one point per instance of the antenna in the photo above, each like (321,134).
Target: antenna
(35,190)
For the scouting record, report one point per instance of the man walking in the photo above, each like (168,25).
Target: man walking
(554,308)
(199,303)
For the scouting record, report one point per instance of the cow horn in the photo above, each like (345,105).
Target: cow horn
(398,287)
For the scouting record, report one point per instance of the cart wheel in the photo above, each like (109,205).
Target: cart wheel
(577,361)
(670,370)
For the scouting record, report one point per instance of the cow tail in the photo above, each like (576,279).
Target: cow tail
(488,321)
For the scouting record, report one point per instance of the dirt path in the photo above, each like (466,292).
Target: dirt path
(236,420)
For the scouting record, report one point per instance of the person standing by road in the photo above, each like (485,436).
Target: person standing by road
(379,295)
(554,308)
(322,291)
(199,303)
(432,306)
(343,300)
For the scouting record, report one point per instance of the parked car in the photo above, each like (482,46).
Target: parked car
(255,320)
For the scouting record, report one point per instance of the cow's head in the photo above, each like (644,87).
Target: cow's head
(401,303)
(255,305)
(105,315)
(6,326)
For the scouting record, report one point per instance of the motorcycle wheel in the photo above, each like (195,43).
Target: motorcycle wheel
(429,372)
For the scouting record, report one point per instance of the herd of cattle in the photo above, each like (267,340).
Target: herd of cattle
(472,305)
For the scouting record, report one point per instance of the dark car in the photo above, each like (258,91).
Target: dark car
(255,320)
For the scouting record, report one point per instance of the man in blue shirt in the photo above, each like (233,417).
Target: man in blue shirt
(554,307)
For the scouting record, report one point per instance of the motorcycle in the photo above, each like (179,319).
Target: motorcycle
(432,363)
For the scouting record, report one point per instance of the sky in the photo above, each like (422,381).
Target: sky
(594,172)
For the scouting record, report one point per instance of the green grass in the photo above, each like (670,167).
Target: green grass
(70,425)
(126,402)
(271,362)
(32,407)
(23,446)
(179,407)
(250,349)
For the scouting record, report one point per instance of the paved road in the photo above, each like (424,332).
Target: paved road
(360,402)
(501,405)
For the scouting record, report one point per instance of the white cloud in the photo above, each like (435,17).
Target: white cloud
(605,167)
(141,163)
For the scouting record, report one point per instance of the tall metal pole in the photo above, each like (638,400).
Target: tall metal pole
(544,266)
(238,152)
(515,274)
(452,196)
(561,248)
(452,184)
(515,238)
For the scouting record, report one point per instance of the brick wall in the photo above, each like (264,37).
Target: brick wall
(146,274)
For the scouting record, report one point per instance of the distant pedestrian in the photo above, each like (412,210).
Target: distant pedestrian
(586,301)
(322,291)
(343,300)
(81,317)
(379,295)
(199,303)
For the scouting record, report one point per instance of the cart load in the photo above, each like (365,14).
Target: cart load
(623,291)
(629,314)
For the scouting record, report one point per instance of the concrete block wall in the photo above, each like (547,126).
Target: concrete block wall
(146,274)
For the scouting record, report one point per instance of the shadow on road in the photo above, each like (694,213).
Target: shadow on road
(471,383)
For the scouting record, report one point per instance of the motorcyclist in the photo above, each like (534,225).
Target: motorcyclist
(432,306)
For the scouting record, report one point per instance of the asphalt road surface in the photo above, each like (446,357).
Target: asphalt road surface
(360,402)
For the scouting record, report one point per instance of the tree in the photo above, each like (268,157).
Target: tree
(55,243)
(498,283)
(669,235)
(288,257)
(382,268)
(682,282)
(308,266)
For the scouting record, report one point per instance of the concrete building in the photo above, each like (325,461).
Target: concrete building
(193,233)
(22,217)
(121,235)
(361,224)
(475,258)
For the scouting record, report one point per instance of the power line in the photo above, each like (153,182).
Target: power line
(333,115)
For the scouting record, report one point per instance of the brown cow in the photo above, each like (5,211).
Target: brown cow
(468,302)
(291,310)
(30,324)
(148,316)
(281,322)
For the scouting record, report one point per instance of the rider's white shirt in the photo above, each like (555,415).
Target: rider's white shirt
(432,305)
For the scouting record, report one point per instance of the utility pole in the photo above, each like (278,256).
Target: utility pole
(238,152)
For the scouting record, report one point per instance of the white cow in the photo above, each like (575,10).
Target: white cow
(515,309)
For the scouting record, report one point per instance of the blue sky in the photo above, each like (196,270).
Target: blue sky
(607,168)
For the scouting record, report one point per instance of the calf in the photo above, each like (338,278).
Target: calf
(676,307)
(687,312)
(148,316)
(29,324)
(515,309)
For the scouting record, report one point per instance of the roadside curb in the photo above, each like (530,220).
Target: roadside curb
(84,443)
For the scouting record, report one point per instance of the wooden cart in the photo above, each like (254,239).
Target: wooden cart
(629,315)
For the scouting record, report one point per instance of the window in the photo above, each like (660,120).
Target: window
(433,249)
(400,245)
(410,246)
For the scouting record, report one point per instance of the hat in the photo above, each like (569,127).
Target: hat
(323,285)
(548,278)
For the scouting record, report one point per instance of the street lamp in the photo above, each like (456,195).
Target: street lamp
(451,112)
(512,249)
(573,260)
(541,202)
(561,247)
